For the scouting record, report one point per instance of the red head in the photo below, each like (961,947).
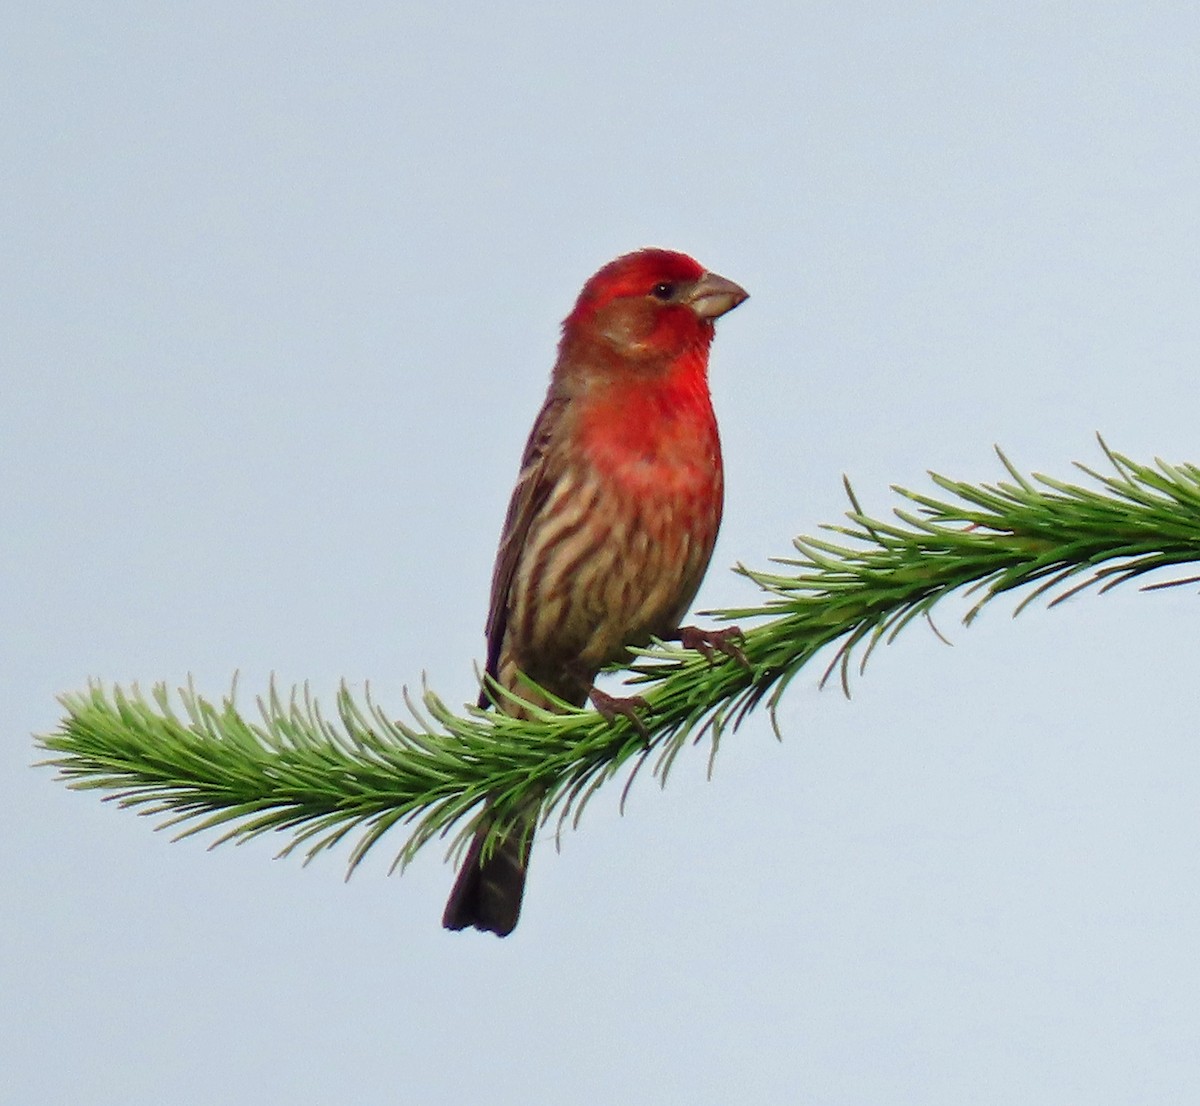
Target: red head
(649,306)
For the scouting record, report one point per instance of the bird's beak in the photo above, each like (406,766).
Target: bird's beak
(711,296)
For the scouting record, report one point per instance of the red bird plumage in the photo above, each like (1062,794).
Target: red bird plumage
(614,516)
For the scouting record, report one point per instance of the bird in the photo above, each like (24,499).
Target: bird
(611,524)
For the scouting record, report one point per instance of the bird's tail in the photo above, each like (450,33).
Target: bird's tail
(487,893)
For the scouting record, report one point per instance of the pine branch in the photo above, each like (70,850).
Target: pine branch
(323,777)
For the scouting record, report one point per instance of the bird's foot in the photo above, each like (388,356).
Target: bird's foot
(711,642)
(610,706)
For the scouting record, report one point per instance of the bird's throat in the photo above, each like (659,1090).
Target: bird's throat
(655,435)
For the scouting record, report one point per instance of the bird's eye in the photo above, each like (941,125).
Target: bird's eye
(664,290)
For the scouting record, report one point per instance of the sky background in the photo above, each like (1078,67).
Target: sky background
(281,290)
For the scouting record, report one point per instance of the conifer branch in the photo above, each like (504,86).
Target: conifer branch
(322,777)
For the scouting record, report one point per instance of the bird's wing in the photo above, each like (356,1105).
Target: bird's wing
(534,485)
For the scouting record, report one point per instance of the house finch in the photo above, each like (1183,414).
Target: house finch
(613,519)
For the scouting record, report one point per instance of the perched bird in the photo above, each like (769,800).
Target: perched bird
(613,519)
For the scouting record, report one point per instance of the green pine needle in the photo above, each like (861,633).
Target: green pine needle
(361,773)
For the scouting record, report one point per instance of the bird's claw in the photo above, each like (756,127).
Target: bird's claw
(610,706)
(709,643)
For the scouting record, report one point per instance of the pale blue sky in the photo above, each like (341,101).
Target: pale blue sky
(282,284)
